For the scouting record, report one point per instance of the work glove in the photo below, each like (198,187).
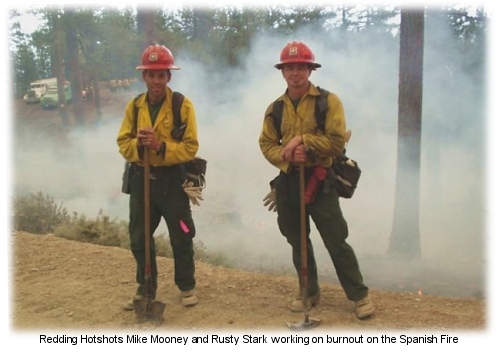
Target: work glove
(193,192)
(270,200)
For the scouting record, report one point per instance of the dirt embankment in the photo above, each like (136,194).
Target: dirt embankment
(62,284)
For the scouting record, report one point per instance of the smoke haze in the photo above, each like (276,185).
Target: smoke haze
(84,171)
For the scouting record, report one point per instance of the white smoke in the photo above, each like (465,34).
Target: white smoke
(84,170)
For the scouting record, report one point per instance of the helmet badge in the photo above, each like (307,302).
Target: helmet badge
(153,56)
(293,51)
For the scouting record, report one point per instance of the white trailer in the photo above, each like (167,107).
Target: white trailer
(38,88)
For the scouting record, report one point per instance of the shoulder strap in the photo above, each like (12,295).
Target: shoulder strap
(136,112)
(177,99)
(179,128)
(277,115)
(321,107)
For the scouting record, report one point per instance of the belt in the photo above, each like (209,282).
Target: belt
(155,172)
(296,168)
(307,168)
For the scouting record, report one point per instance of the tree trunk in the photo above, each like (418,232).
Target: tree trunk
(74,65)
(146,25)
(93,92)
(405,236)
(95,95)
(58,50)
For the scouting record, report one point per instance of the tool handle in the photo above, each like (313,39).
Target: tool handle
(147,212)
(303,236)
(303,239)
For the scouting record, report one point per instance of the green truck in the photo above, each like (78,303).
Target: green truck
(51,98)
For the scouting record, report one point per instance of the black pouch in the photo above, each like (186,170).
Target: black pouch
(178,132)
(195,171)
(197,166)
(347,174)
(127,172)
(274,182)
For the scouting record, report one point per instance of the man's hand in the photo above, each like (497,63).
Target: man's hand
(146,137)
(288,152)
(299,154)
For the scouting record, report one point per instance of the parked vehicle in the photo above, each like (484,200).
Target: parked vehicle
(37,89)
(51,98)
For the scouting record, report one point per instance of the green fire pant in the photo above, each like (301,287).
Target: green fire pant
(327,216)
(167,200)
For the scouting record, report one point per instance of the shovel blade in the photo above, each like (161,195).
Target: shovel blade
(149,310)
(306,324)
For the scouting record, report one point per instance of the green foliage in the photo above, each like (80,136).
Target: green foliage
(111,40)
(42,41)
(102,230)
(117,44)
(163,248)
(24,67)
(38,213)
(213,258)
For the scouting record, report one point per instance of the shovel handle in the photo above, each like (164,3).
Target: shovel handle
(303,239)
(147,212)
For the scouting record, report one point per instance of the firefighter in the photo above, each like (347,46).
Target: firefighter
(148,123)
(300,142)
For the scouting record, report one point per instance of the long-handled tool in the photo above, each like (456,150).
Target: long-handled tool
(148,309)
(308,321)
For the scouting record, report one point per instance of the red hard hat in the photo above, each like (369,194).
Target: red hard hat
(297,52)
(157,57)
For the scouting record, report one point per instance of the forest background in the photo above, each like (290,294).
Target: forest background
(358,47)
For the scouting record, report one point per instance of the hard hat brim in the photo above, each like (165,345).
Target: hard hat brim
(281,64)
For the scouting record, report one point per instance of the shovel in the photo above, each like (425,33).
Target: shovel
(308,322)
(148,309)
